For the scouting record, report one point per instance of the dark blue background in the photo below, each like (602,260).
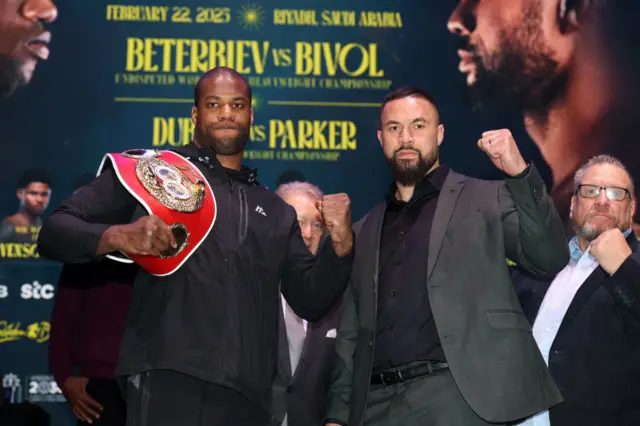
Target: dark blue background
(66,119)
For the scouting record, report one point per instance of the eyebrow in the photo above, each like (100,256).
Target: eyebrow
(415,120)
(236,98)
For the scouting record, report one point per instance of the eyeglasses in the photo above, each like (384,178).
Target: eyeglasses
(613,193)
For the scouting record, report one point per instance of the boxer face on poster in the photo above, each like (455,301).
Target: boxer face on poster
(23,40)
(34,198)
(410,135)
(553,60)
(222,114)
(514,50)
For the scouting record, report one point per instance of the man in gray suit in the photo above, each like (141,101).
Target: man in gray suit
(432,331)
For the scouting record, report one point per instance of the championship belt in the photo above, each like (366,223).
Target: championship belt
(169,186)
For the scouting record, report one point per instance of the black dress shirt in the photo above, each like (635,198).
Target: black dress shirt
(406,329)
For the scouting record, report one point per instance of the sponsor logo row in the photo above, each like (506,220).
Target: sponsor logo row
(29,291)
(32,388)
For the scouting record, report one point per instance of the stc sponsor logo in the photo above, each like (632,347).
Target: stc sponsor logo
(28,291)
(37,291)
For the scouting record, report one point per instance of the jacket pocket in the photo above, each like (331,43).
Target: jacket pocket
(508,320)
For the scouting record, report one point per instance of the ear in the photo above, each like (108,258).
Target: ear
(380,136)
(440,134)
(20,194)
(251,123)
(572,207)
(194,114)
(571,14)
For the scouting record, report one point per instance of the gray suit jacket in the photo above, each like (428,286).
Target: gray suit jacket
(485,336)
(303,395)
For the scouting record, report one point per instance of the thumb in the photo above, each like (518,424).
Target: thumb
(481,145)
(172,239)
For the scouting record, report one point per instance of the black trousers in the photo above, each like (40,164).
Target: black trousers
(425,401)
(169,398)
(107,393)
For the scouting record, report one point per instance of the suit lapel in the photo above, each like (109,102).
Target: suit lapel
(284,362)
(580,300)
(446,203)
(317,336)
(590,286)
(312,344)
(369,242)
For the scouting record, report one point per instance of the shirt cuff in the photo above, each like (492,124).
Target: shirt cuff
(93,237)
(522,174)
(526,187)
(61,374)
(629,270)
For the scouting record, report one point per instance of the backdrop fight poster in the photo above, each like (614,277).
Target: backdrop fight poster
(96,77)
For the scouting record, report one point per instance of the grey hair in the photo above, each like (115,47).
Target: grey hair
(601,159)
(299,188)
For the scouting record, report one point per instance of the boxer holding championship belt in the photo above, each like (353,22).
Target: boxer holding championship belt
(170,187)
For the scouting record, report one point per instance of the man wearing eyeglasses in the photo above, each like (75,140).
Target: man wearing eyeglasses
(586,321)
(306,350)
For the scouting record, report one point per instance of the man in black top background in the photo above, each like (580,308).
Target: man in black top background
(200,345)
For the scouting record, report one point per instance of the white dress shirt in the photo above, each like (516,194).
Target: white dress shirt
(555,305)
(288,311)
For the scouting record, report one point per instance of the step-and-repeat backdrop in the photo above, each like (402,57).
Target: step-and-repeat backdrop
(94,77)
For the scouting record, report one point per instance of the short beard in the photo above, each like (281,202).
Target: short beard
(587,232)
(10,76)
(409,175)
(226,146)
(521,74)
(590,232)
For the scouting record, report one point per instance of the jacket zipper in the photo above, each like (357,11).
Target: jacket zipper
(243,223)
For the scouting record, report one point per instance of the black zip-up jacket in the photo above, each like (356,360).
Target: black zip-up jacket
(216,318)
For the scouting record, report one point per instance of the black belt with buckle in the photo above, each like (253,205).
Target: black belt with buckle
(395,375)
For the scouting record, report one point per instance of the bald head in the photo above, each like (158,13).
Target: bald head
(222,73)
(222,114)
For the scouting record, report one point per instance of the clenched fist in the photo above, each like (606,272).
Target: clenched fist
(611,249)
(503,151)
(147,236)
(336,214)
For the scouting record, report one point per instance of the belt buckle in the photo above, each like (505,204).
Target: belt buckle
(391,376)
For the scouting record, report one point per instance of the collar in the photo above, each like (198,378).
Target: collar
(576,253)
(208,158)
(432,182)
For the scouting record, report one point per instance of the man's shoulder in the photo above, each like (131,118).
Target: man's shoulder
(360,223)
(16,219)
(457,177)
(268,204)
(265,195)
